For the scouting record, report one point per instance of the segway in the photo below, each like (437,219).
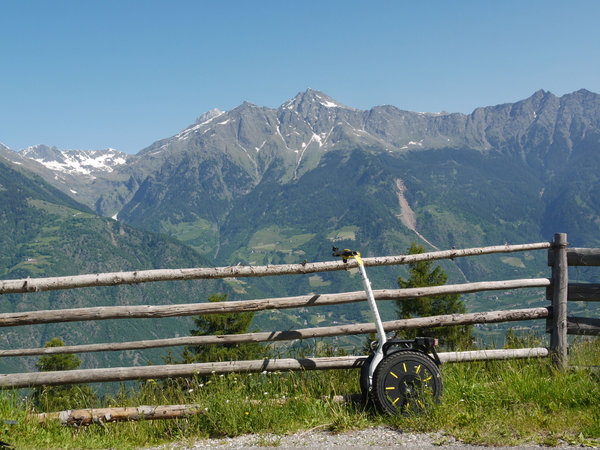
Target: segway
(400,376)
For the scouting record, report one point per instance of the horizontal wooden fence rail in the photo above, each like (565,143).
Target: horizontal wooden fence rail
(305,333)
(144,276)
(578,256)
(20,380)
(581,326)
(175,370)
(148,312)
(578,292)
(488,355)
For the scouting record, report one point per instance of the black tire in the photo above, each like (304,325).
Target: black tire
(406,382)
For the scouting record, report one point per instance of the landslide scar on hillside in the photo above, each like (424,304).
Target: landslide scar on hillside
(407,215)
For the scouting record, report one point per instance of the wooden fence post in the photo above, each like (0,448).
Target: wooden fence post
(560,278)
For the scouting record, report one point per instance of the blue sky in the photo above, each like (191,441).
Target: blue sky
(82,74)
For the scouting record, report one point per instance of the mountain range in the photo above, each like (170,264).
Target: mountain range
(259,185)
(201,177)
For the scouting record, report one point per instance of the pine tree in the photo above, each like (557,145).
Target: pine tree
(423,274)
(220,324)
(53,398)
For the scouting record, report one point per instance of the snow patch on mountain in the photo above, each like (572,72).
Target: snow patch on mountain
(413,144)
(208,116)
(203,120)
(84,162)
(327,102)
(310,96)
(261,146)
(317,138)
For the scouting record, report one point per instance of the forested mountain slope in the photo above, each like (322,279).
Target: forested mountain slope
(46,233)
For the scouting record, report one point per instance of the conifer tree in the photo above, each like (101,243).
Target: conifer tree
(54,398)
(220,324)
(423,274)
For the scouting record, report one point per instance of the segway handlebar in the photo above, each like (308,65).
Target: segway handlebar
(345,254)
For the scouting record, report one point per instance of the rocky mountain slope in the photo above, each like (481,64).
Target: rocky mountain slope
(532,162)
(82,174)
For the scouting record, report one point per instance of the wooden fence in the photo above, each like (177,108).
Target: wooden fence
(558,291)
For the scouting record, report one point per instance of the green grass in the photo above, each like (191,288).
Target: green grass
(200,234)
(273,245)
(282,239)
(519,402)
(346,233)
(236,284)
(317,281)
(513,261)
(55,209)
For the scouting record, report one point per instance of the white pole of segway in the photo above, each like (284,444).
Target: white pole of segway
(378,355)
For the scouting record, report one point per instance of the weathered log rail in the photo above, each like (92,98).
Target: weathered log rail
(82,417)
(269,365)
(305,333)
(557,289)
(578,292)
(146,276)
(154,312)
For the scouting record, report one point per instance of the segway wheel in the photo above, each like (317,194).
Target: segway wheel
(406,382)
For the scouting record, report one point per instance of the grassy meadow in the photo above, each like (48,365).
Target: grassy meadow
(494,403)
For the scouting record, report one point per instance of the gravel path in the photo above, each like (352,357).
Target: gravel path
(378,437)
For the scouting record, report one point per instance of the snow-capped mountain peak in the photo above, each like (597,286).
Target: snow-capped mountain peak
(313,98)
(84,162)
(208,116)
